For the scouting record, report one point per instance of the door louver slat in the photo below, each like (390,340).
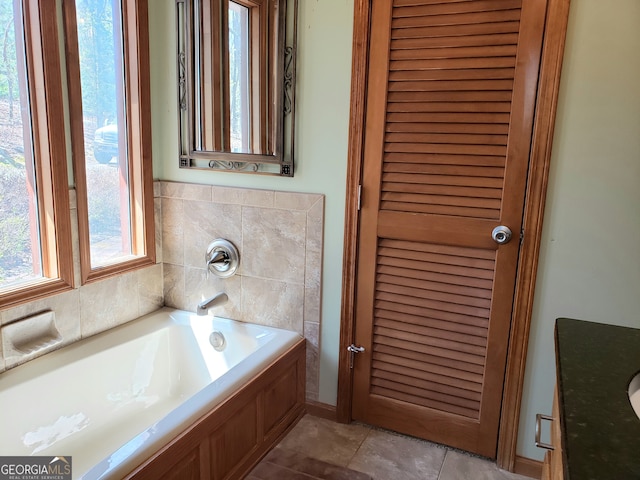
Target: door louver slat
(424,19)
(439,7)
(433,290)
(425,402)
(445,254)
(429,317)
(450,30)
(441,189)
(494,40)
(393,324)
(430,360)
(457,396)
(453,343)
(425,82)
(479,51)
(406,385)
(425,309)
(438,281)
(436,373)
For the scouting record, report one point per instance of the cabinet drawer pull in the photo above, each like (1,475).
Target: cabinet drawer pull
(539,418)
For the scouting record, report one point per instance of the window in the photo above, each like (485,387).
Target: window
(35,230)
(108,90)
(106,52)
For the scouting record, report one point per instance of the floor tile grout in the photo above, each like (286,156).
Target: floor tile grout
(311,477)
(359,447)
(444,459)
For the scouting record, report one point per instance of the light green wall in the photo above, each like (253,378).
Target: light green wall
(590,258)
(324,75)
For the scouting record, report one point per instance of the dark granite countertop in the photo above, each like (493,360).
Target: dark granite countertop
(600,431)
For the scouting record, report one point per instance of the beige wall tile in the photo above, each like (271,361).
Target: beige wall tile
(295,201)
(172,231)
(312,334)
(173,285)
(273,244)
(204,222)
(273,303)
(157,218)
(312,304)
(150,289)
(186,191)
(313,247)
(258,198)
(198,288)
(228,195)
(312,384)
(315,226)
(108,303)
(313,269)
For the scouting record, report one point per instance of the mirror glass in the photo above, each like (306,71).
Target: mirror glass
(236,65)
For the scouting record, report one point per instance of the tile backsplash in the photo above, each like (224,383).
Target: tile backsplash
(279,237)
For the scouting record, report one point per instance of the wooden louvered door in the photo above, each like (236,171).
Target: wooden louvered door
(449,114)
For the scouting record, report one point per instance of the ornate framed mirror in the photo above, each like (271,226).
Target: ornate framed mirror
(236,89)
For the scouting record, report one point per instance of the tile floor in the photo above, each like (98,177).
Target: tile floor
(320,449)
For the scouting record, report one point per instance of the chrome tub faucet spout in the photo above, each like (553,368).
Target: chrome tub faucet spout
(216,300)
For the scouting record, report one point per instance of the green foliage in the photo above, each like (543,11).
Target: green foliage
(103,187)
(8,60)
(98,51)
(15,242)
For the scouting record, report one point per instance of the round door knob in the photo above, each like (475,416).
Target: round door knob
(501,234)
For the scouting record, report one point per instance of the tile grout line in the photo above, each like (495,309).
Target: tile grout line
(311,477)
(357,450)
(444,459)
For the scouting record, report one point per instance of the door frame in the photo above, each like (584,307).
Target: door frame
(539,162)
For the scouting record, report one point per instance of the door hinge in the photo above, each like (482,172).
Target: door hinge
(521,236)
(353,349)
(359,196)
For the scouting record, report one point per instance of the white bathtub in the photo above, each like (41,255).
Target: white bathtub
(112,400)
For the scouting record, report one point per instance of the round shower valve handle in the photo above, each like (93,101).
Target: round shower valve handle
(222,258)
(501,234)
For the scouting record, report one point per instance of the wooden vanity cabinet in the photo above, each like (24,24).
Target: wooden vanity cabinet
(552,468)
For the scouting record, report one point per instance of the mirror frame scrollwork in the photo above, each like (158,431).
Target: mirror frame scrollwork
(283,72)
